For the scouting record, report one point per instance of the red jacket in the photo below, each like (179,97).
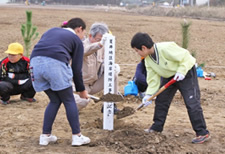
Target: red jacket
(20,70)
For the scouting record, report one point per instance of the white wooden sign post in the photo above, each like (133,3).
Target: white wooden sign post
(109,61)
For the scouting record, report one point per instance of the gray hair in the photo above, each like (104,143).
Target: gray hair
(98,27)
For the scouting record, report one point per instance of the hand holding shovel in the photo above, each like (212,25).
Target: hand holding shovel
(157,93)
(127,111)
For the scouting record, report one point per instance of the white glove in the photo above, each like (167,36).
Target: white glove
(117,69)
(145,100)
(81,102)
(178,77)
(11,75)
(20,82)
(104,37)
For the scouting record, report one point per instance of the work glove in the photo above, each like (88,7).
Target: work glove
(145,101)
(117,69)
(141,95)
(104,37)
(21,82)
(81,102)
(11,75)
(179,77)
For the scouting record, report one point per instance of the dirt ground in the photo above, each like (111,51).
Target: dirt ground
(21,122)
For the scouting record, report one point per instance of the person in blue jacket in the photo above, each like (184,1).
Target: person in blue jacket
(140,78)
(55,60)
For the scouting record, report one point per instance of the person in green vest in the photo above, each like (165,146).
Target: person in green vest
(170,61)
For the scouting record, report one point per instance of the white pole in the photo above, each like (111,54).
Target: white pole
(109,60)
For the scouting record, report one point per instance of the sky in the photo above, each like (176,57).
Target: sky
(3,1)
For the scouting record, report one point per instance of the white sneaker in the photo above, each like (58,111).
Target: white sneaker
(45,139)
(80,140)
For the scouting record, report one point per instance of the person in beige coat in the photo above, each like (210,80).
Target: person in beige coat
(93,60)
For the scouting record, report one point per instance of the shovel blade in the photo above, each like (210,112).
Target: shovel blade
(94,98)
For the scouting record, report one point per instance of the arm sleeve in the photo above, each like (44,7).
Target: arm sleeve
(139,74)
(4,75)
(77,61)
(153,80)
(91,48)
(13,81)
(180,55)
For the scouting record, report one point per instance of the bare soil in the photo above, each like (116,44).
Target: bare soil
(21,122)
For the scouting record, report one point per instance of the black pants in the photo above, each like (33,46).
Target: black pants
(7,89)
(189,89)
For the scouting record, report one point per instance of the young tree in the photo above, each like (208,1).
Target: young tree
(185,33)
(28,32)
(185,37)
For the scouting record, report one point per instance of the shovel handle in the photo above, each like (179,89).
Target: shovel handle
(172,81)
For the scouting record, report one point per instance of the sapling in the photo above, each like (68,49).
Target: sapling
(29,33)
(185,38)
(185,33)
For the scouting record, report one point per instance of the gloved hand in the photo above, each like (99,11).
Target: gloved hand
(179,77)
(20,82)
(11,75)
(145,101)
(104,37)
(117,69)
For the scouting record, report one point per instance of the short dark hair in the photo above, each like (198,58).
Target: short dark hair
(140,39)
(75,23)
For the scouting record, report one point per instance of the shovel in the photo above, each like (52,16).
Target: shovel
(107,98)
(158,92)
(94,98)
(129,111)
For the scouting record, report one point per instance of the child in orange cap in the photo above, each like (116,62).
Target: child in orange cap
(14,75)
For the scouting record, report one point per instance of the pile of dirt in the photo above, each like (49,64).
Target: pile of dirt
(133,141)
(112,97)
(126,111)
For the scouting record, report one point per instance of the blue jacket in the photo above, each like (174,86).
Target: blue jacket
(63,45)
(140,76)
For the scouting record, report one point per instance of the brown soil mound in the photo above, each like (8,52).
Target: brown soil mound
(126,111)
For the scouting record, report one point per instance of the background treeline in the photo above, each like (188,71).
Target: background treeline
(107,2)
(71,2)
